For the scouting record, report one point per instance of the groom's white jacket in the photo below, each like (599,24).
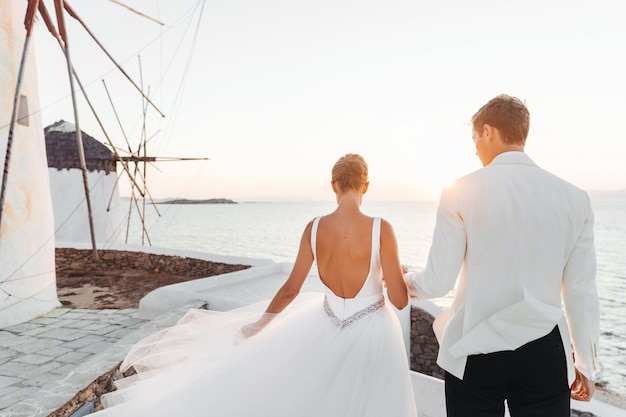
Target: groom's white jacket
(518,242)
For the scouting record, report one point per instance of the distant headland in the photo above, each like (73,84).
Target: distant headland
(187,201)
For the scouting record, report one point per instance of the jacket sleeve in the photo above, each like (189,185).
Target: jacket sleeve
(446,252)
(580,298)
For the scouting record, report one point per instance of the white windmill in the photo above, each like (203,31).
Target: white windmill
(27,229)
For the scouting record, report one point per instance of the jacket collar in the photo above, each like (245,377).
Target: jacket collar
(512,157)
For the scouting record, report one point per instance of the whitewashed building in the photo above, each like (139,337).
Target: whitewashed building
(71,217)
(27,264)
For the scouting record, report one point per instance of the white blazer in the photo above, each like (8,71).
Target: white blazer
(519,241)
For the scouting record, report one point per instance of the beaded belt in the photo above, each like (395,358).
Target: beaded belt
(356,316)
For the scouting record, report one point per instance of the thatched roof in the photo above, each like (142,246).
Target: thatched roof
(62,149)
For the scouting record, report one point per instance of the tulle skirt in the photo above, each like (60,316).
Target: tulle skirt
(300,365)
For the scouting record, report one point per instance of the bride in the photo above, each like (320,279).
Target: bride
(339,353)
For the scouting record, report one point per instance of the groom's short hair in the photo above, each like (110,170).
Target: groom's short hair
(507,114)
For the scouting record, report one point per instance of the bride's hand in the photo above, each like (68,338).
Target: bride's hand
(247,331)
(251,329)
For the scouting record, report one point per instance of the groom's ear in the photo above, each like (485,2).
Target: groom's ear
(487,129)
(488,132)
(493,135)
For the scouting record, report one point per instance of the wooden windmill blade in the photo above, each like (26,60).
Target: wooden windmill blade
(136,175)
(136,158)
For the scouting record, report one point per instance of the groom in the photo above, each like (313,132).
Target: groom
(520,241)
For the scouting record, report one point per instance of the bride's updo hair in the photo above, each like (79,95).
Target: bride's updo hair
(350,172)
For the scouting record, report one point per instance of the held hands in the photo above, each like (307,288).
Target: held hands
(582,388)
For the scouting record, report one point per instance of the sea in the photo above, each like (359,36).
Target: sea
(272,230)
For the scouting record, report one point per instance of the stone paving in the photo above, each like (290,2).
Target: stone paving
(45,361)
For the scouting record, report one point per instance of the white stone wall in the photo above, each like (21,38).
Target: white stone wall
(71,218)
(27,266)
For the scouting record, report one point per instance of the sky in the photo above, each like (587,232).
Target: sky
(273,92)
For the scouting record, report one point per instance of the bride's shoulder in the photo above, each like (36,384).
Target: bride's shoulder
(386,229)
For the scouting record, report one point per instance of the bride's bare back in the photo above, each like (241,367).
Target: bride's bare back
(344,247)
(344,244)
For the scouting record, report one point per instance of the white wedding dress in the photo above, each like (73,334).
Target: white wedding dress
(322,356)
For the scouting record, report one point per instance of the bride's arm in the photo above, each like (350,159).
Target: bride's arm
(291,288)
(392,269)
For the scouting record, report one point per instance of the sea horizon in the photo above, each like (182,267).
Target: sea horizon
(593,194)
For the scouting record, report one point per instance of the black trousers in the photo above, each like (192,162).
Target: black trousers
(532,379)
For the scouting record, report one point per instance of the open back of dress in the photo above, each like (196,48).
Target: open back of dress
(323,356)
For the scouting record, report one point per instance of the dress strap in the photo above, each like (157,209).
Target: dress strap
(376,233)
(375,255)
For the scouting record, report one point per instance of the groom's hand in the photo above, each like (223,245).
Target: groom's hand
(582,388)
